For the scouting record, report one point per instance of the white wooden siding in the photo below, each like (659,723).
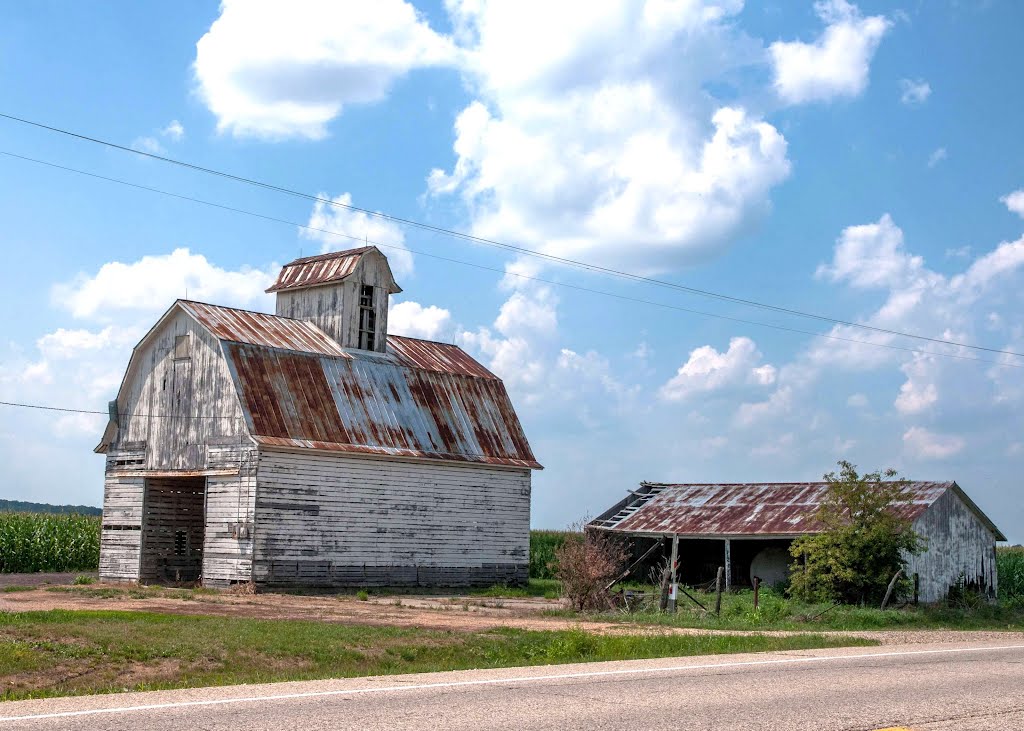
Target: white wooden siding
(121,531)
(230,515)
(336,520)
(960,547)
(334,308)
(164,396)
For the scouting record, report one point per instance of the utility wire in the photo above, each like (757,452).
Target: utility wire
(499,244)
(579,288)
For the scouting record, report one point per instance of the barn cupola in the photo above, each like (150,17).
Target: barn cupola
(344,293)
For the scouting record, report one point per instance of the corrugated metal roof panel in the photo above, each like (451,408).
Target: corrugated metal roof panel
(716,510)
(258,328)
(433,356)
(313,270)
(376,404)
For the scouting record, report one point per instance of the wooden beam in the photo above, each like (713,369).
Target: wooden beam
(728,564)
(674,590)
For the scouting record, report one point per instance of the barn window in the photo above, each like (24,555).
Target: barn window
(180,543)
(182,349)
(367,318)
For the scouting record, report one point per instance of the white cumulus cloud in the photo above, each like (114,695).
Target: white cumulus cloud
(414,320)
(837,64)
(153,282)
(1014,202)
(708,370)
(274,70)
(337,227)
(598,143)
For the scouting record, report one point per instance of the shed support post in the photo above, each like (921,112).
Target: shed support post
(728,564)
(673,568)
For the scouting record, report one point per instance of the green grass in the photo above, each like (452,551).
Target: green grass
(16,587)
(64,652)
(776,612)
(31,542)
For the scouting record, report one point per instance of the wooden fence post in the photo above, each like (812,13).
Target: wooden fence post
(718,590)
(917,588)
(892,585)
(674,590)
(757,588)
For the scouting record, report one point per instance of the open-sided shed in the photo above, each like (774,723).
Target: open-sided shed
(747,528)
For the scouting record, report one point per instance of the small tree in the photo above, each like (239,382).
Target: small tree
(863,540)
(586,563)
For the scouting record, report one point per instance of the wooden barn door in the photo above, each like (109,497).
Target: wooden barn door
(173,528)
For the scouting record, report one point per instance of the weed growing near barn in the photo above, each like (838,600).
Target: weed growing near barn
(65,653)
(31,542)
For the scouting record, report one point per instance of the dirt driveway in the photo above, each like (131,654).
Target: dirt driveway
(457,613)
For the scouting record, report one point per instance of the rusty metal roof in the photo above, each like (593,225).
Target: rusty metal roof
(754,509)
(259,328)
(311,271)
(432,404)
(433,356)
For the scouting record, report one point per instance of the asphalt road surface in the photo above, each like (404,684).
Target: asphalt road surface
(921,687)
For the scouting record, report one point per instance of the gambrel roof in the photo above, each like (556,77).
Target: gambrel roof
(300,389)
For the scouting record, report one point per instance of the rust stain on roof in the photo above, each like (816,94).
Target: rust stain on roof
(384,404)
(715,510)
(432,356)
(259,328)
(310,271)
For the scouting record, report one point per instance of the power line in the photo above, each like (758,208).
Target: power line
(484,267)
(509,247)
(42,407)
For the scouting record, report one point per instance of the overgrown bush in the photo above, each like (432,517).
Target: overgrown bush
(585,564)
(32,542)
(543,544)
(863,539)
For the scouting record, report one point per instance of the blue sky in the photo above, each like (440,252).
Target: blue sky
(854,160)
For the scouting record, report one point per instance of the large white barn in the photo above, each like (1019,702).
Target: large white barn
(311,448)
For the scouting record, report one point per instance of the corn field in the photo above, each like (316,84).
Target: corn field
(32,542)
(543,544)
(1010,565)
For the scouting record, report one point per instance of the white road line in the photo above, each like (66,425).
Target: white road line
(502,681)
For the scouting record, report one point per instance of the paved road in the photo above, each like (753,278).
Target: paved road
(924,687)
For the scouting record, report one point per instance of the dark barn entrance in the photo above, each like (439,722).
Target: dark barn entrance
(173,529)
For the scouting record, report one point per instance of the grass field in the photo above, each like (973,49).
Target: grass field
(777,612)
(65,653)
(31,542)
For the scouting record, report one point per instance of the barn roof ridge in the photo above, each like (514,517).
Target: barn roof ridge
(330,255)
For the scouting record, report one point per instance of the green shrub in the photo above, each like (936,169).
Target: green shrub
(543,544)
(363,595)
(31,542)
(862,542)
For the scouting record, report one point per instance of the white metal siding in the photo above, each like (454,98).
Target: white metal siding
(960,547)
(336,519)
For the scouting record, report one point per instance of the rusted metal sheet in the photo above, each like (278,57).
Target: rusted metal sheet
(313,270)
(258,328)
(433,356)
(721,510)
(370,403)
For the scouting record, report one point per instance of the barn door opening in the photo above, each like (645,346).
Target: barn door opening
(173,528)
